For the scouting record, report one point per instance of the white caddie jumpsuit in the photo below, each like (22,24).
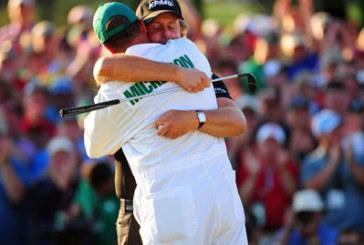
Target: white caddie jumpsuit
(186,192)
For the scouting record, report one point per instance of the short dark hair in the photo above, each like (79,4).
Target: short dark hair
(335,85)
(119,40)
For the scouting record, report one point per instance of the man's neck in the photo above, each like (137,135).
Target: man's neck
(141,39)
(138,40)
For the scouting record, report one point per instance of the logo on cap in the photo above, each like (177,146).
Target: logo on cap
(156,3)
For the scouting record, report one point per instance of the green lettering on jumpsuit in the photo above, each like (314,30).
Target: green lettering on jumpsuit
(143,88)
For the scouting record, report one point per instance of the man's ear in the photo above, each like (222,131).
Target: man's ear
(112,50)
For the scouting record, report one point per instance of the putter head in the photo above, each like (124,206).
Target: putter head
(252,84)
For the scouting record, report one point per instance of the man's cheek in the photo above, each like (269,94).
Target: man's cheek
(153,37)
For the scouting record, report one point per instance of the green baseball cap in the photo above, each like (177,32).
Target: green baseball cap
(105,12)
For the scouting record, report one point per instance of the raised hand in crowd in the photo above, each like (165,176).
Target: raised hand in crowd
(12,184)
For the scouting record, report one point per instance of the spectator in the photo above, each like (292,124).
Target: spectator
(21,23)
(307,85)
(81,17)
(330,62)
(250,106)
(304,223)
(321,167)
(86,50)
(240,47)
(21,20)
(271,105)
(62,94)
(50,221)
(273,65)
(301,140)
(268,176)
(336,97)
(8,62)
(34,125)
(42,61)
(239,146)
(302,57)
(352,172)
(69,128)
(15,176)
(97,202)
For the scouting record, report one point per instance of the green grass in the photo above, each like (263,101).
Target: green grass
(226,12)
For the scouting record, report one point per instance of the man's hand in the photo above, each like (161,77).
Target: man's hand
(335,154)
(225,121)
(193,80)
(174,123)
(252,164)
(6,149)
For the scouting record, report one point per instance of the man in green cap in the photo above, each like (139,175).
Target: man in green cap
(173,233)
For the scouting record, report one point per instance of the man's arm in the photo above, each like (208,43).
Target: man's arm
(13,186)
(225,121)
(356,169)
(107,129)
(129,68)
(318,179)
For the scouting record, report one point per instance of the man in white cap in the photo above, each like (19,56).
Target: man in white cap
(304,225)
(321,168)
(267,177)
(52,195)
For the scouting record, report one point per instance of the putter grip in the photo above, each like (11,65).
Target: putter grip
(82,109)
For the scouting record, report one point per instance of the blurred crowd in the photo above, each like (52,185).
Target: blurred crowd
(300,166)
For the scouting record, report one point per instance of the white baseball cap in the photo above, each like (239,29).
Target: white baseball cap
(60,143)
(307,200)
(271,130)
(325,121)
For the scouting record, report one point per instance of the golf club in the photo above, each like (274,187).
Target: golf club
(83,109)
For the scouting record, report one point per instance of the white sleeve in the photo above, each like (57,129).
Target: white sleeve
(105,130)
